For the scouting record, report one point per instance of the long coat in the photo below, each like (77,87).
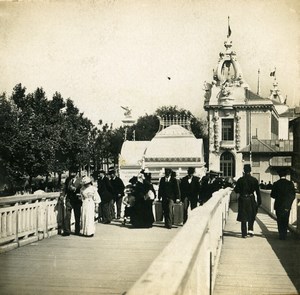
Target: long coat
(283,192)
(118,187)
(105,189)
(247,205)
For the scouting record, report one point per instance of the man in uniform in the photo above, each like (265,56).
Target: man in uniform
(283,192)
(247,205)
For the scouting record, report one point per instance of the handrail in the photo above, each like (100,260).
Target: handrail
(27,198)
(28,218)
(188,264)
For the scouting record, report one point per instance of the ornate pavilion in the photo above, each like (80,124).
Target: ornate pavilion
(243,126)
(174,146)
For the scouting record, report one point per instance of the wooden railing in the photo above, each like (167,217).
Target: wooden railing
(189,262)
(28,218)
(268,205)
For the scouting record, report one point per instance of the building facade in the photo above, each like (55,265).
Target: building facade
(244,127)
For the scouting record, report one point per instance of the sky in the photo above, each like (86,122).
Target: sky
(145,54)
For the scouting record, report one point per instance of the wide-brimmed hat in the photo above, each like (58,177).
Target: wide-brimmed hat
(111,171)
(86,180)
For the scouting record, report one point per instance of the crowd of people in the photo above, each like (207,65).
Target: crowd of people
(104,193)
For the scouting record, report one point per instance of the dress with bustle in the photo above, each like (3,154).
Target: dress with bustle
(90,197)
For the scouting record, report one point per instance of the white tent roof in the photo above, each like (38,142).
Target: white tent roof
(132,153)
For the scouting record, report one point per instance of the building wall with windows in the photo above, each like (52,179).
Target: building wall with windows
(237,120)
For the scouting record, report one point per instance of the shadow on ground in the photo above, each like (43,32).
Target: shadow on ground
(287,251)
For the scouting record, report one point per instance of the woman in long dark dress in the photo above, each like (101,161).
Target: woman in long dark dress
(142,214)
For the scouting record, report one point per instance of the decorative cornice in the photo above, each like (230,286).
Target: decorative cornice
(170,159)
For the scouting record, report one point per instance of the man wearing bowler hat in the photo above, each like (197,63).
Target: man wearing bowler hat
(190,188)
(247,205)
(168,191)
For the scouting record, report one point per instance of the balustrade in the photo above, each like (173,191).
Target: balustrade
(27,218)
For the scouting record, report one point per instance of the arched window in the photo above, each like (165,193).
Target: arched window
(227,164)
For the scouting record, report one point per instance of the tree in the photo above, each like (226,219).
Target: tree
(8,129)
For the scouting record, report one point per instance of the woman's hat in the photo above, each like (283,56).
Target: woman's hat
(86,180)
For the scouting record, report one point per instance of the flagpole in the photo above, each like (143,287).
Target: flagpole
(258,86)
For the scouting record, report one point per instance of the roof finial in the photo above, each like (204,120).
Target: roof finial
(273,74)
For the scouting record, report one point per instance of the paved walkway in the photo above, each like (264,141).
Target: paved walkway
(108,263)
(259,265)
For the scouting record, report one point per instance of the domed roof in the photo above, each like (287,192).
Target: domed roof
(175,142)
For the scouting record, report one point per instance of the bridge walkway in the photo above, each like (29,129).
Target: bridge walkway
(108,263)
(259,265)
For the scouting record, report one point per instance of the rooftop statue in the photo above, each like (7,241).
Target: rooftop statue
(127,112)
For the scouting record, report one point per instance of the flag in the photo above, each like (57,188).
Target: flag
(272,74)
(229,32)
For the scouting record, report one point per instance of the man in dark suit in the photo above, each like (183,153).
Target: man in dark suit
(283,192)
(190,189)
(118,191)
(168,191)
(73,202)
(245,188)
(105,191)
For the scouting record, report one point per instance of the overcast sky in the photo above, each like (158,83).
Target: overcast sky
(108,54)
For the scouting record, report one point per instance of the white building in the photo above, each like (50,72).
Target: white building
(174,146)
(244,127)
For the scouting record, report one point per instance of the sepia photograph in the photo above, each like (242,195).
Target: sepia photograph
(150,147)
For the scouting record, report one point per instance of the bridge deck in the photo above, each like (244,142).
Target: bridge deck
(260,265)
(108,263)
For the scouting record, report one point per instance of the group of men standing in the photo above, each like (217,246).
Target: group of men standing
(189,190)
(110,189)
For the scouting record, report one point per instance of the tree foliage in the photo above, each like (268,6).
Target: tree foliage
(41,136)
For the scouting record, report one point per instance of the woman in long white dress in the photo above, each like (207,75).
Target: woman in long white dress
(90,201)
